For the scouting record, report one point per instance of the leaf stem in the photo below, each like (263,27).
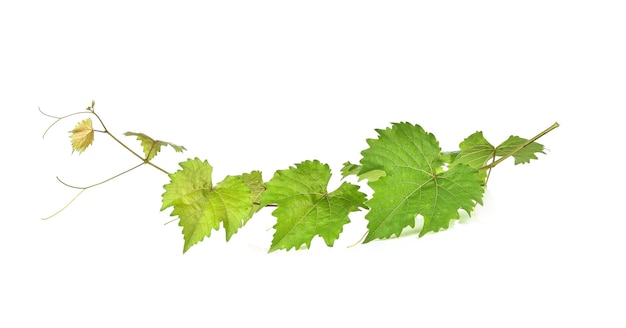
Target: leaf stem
(493,159)
(266,205)
(528,142)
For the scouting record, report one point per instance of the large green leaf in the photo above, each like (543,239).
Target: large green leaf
(414,183)
(305,207)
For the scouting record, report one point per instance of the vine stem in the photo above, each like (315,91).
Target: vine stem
(144,160)
(528,142)
(496,162)
(90,110)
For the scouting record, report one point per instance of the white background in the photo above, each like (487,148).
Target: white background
(262,85)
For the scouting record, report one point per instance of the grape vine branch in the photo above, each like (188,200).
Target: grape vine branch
(411,178)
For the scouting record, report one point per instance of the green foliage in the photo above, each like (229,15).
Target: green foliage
(305,207)
(414,183)
(476,151)
(521,152)
(411,178)
(201,207)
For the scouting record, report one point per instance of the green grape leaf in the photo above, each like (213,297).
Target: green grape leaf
(200,206)
(414,183)
(151,147)
(305,208)
(82,136)
(522,155)
(476,151)
(355,169)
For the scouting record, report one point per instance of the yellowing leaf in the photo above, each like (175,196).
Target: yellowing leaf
(254,181)
(151,147)
(202,206)
(82,136)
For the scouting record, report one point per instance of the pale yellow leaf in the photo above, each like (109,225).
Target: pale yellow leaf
(82,135)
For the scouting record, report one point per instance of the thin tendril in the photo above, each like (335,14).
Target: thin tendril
(64,207)
(170,221)
(59,118)
(358,241)
(101,182)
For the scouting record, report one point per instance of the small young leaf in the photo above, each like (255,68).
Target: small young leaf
(349,169)
(447,157)
(82,136)
(201,206)
(523,155)
(305,208)
(151,147)
(415,183)
(476,151)
(355,169)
